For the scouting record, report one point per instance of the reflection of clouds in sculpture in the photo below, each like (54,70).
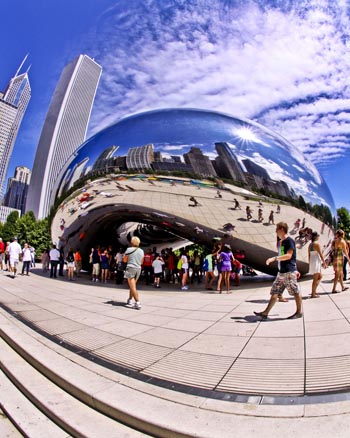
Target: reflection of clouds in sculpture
(298,168)
(278,173)
(174,148)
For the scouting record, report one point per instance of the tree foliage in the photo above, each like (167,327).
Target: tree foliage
(344,220)
(28,230)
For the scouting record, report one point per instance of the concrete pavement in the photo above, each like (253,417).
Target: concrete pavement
(191,363)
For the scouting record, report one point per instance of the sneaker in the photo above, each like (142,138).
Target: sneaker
(184,288)
(129,303)
(137,305)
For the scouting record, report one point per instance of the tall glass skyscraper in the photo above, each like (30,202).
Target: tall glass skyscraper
(64,130)
(13,104)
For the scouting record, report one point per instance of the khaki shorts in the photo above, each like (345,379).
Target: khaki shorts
(96,269)
(132,273)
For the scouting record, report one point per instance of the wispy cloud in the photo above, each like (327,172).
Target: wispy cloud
(285,67)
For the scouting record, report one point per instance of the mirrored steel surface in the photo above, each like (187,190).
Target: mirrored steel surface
(125,174)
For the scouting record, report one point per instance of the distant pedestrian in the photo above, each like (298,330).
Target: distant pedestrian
(26,259)
(316,263)
(45,260)
(249,212)
(147,266)
(340,250)
(184,269)
(2,254)
(133,258)
(78,262)
(95,260)
(157,266)
(226,258)
(70,264)
(54,260)
(195,202)
(237,205)
(208,269)
(104,260)
(14,250)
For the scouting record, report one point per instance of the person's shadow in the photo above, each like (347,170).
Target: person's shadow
(115,303)
(254,318)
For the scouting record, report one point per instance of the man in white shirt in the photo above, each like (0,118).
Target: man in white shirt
(54,259)
(14,251)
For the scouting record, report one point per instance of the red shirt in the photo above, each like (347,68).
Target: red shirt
(147,260)
(171,262)
(2,247)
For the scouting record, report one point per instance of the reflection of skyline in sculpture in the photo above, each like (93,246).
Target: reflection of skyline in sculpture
(209,144)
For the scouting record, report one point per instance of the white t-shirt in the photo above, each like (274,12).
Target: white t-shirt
(157,266)
(54,255)
(27,256)
(14,250)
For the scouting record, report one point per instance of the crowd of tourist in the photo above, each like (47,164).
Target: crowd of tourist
(11,253)
(218,268)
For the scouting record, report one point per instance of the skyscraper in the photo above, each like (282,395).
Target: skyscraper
(13,104)
(200,163)
(17,189)
(64,130)
(227,163)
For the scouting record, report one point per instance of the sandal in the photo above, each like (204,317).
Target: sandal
(295,316)
(344,288)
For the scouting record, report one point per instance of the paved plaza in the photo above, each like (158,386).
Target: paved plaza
(190,363)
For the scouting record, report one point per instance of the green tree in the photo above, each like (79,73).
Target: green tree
(25,226)
(10,228)
(27,229)
(344,220)
(41,236)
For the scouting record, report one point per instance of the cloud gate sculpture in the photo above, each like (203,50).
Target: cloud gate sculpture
(185,174)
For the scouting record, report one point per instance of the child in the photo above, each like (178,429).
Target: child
(157,265)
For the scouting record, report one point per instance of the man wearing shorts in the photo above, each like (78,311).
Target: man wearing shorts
(14,250)
(287,275)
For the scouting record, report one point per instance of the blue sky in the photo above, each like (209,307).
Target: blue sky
(282,63)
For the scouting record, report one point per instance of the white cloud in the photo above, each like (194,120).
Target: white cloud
(287,69)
